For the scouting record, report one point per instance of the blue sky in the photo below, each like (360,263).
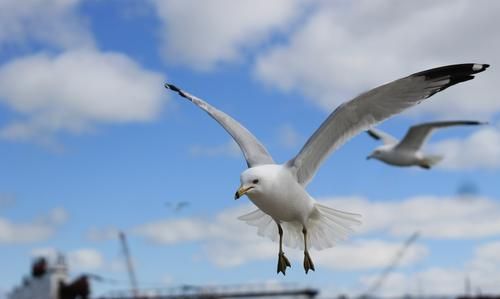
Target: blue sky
(92,143)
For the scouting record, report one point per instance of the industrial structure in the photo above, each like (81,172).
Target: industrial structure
(51,282)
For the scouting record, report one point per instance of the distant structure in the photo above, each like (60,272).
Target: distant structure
(467,189)
(218,292)
(370,292)
(51,282)
(130,266)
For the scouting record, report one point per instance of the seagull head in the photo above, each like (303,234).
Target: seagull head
(376,154)
(256,180)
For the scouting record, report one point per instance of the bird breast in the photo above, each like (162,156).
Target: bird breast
(284,200)
(400,157)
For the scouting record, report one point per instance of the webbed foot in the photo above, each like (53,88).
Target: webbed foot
(283,263)
(308,263)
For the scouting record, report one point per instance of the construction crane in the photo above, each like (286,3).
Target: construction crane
(392,265)
(130,266)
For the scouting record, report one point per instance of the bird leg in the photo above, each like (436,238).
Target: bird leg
(308,263)
(283,262)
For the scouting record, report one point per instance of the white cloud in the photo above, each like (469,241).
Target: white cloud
(334,57)
(56,216)
(432,281)
(486,261)
(357,255)
(481,150)
(433,216)
(103,234)
(38,230)
(482,271)
(369,254)
(229,149)
(76,90)
(85,259)
(172,231)
(226,253)
(229,242)
(52,22)
(203,34)
(488,254)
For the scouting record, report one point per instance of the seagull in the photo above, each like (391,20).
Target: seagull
(177,206)
(407,151)
(279,190)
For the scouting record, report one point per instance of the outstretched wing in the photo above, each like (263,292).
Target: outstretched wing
(382,136)
(417,135)
(255,153)
(373,107)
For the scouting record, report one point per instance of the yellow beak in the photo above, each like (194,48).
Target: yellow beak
(241,191)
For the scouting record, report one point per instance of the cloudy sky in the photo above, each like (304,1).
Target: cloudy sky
(91,143)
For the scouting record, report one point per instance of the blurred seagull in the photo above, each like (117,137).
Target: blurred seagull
(177,206)
(407,151)
(278,190)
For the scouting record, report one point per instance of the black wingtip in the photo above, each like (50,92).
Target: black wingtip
(475,122)
(480,123)
(455,74)
(464,70)
(372,134)
(172,87)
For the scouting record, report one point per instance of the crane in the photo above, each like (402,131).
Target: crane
(392,265)
(130,266)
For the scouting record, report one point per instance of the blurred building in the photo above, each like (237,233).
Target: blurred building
(50,282)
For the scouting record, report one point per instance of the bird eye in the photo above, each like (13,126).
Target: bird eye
(256,181)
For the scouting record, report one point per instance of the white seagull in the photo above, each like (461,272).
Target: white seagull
(407,152)
(278,190)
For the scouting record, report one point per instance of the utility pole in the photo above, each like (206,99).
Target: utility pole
(130,266)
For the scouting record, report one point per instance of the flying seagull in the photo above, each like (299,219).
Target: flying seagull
(407,151)
(177,206)
(279,190)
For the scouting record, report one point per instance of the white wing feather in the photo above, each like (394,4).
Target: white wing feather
(418,135)
(371,108)
(255,153)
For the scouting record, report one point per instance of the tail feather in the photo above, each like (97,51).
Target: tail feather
(431,160)
(342,232)
(344,220)
(325,228)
